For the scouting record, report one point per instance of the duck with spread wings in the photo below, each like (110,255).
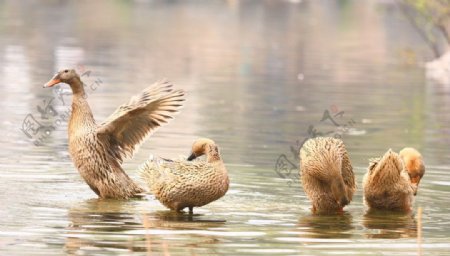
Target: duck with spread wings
(98,150)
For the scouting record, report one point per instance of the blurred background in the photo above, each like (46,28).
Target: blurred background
(261,77)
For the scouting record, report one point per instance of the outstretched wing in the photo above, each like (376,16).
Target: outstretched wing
(136,120)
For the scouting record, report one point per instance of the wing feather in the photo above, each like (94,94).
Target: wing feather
(132,123)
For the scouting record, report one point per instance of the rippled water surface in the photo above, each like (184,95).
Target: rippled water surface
(258,74)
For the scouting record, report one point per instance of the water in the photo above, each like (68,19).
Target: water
(258,74)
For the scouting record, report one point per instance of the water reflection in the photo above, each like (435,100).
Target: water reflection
(258,74)
(389,225)
(118,225)
(104,218)
(327,226)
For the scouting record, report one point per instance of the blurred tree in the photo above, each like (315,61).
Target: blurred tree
(431,19)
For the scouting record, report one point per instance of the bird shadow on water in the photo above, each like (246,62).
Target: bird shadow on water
(99,215)
(123,225)
(160,225)
(183,217)
(337,226)
(95,223)
(389,225)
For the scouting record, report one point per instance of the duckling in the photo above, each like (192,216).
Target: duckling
(98,150)
(326,174)
(391,181)
(180,184)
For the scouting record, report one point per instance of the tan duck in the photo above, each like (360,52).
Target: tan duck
(392,180)
(180,184)
(326,174)
(98,150)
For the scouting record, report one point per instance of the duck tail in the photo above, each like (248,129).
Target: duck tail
(388,168)
(147,169)
(322,157)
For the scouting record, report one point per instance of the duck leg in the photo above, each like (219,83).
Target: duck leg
(191,209)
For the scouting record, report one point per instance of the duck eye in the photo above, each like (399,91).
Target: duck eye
(66,71)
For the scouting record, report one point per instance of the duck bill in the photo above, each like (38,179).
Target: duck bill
(339,193)
(192,157)
(52,82)
(415,184)
(415,187)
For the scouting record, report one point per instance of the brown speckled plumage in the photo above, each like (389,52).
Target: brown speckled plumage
(99,150)
(387,184)
(179,184)
(326,174)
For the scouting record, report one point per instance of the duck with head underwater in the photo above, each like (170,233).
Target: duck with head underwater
(392,181)
(327,174)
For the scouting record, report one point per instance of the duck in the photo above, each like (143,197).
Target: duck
(180,184)
(326,174)
(392,180)
(98,150)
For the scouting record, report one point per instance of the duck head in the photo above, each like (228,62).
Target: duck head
(68,76)
(203,146)
(339,192)
(413,163)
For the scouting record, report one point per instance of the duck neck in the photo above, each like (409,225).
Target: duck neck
(212,154)
(81,112)
(77,87)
